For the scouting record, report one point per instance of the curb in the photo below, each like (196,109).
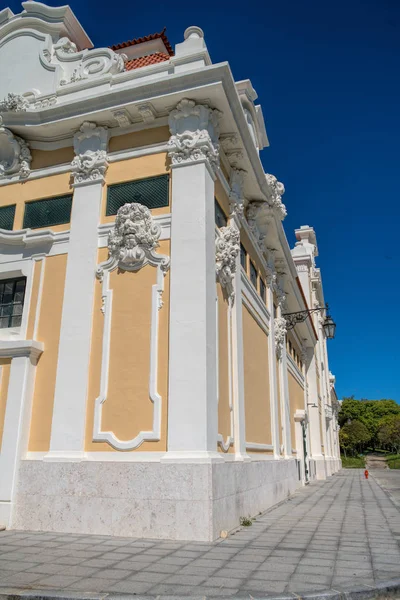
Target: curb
(381,590)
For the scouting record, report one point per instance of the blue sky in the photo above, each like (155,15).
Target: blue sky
(327,76)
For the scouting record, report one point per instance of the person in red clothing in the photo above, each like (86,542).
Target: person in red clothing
(366,473)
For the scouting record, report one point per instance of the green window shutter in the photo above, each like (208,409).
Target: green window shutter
(152,192)
(44,213)
(7,214)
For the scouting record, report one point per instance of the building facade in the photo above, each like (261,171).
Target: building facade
(149,383)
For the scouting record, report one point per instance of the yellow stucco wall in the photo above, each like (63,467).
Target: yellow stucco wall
(128,408)
(49,158)
(48,333)
(38,265)
(296,397)
(5,365)
(224,413)
(256,381)
(34,189)
(138,139)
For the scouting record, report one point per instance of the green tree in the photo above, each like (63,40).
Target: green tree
(353,437)
(368,412)
(389,432)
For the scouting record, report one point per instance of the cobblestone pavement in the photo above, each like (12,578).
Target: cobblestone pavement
(338,534)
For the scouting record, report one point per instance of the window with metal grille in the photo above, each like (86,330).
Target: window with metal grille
(47,212)
(263,292)
(152,192)
(253,274)
(7,214)
(243,257)
(12,294)
(220,218)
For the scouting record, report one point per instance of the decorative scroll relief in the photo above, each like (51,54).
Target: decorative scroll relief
(132,245)
(90,163)
(280,335)
(15,156)
(277,189)
(194,134)
(88,64)
(227,246)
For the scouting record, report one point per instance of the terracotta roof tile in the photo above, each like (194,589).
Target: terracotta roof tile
(146,38)
(145,61)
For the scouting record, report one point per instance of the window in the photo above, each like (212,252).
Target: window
(290,347)
(263,293)
(44,213)
(220,218)
(243,257)
(12,293)
(152,192)
(7,217)
(253,274)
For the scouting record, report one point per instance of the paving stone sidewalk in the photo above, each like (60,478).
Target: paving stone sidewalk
(340,534)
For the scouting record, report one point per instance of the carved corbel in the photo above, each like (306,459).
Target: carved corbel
(194,135)
(90,163)
(276,189)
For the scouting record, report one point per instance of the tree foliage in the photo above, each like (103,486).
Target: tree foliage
(370,413)
(354,436)
(389,432)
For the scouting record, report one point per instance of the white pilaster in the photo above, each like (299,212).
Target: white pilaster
(88,168)
(24,355)
(192,402)
(284,393)
(273,384)
(236,208)
(313,408)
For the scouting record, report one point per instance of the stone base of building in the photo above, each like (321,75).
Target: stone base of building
(181,501)
(322,467)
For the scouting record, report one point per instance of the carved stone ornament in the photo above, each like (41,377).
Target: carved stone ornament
(15,156)
(90,163)
(14,103)
(133,241)
(227,246)
(194,134)
(276,189)
(280,335)
(86,64)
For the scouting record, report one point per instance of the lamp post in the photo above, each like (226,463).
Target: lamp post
(329,325)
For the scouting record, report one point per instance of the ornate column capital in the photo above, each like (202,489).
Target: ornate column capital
(280,335)
(276,191)
(227,246)
(194,135)
(90,163)
(15,156)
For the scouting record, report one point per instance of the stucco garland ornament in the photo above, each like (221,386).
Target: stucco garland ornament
(280,335)
(133,241)
(14,103)
(277,189)
(227,246)
(89,166)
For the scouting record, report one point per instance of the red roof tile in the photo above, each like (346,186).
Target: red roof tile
(145,61)
(146,38)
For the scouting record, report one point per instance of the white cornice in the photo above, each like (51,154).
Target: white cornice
(17,348)
(29,238)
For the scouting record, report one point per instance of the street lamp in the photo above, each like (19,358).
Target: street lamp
(292,319)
